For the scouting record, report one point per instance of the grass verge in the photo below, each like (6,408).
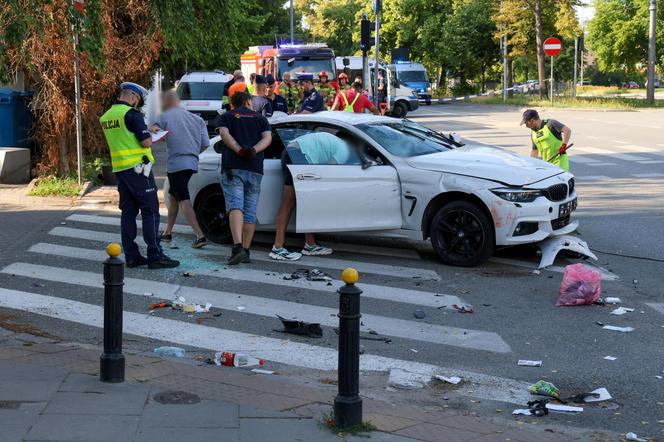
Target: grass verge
(360,430)
(55,186)
(563,102)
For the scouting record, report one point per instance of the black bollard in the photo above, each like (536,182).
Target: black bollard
(347,403)
(112,361)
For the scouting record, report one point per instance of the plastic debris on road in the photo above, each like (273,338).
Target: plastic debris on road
(610,358)
(552,246)
(610,300)
(230,359)
(261,371)
(618,329)
(581,285)
(633,437)
(309,275)
(621,311)
(170,351)
(527,363)
(564,408)
(454,380)
(293,326)
(543,388)
(462,308)
(599,395)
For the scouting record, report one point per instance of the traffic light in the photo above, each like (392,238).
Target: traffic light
(366,39)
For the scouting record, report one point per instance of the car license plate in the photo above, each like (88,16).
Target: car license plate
(567,208)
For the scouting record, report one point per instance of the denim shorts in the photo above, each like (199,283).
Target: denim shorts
(241,192)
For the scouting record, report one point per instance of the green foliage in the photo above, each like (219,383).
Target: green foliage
(51,185)
(334,22)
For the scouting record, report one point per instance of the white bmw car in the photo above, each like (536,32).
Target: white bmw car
(406,181)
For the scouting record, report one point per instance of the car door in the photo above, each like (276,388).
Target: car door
(344,197)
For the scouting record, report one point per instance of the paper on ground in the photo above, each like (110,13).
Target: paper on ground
(523,411)
(610,358)
(563,408)
(451,379)
(603,396)
(612,300)
(620,329)
(158,136)
(527,363)
(262,371)
(621,311)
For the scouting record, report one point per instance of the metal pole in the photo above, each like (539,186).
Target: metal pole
(292,26)
(551,81)
(576,51)
(650,92)
(112,361)
(77,104)
(504,44)
(347,403)
(377,47)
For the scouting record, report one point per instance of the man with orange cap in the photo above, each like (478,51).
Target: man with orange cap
(326,89)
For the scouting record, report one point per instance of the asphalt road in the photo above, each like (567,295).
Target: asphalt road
(50,277)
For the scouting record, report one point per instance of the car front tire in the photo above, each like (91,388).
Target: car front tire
(462,234)
(211,215)
(400,110)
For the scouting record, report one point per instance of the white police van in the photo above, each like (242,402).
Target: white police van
(202,94)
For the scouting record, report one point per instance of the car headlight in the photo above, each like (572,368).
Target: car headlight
(429,90)
(517,195)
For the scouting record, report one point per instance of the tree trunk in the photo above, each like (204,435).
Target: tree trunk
(510,77)
(539,39)
(483,79)
(63,153)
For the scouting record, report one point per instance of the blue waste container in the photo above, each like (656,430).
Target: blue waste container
(15,118)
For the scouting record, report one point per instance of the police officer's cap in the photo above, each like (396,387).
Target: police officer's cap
(305,76)
(270,79)
(135,88)
(260,80)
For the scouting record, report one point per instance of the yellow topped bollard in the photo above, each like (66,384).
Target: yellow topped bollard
(113,250)
(350,275)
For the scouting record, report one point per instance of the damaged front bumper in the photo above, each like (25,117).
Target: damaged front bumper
(552,246)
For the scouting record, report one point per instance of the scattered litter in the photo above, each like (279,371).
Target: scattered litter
(419,314)
(405,380)
(450,380)
(610,358)
(621,311)
(199,309)
(159,305)
(37,284)
(601,394)
(170,351)
(543,388)
(261,371)
(188,274)
(310,275)
(619,329)
(612,300)
(636,281)
(538,407)
(633,437)
(313,330)
(486,305)
(536,272)
(413,350)
(527,363)
(188,308)
(581,285)
(240,307)
(63,223)
(564,408)
(148,294)
(658,377)
(600,323)
(522,411)
(462,308)
(230,359)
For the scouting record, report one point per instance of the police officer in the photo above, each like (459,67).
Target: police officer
(326,89)
(278,102)
(549,138)
(313,101)
(291,92)
(129,142)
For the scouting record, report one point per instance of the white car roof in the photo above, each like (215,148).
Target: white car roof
(201,77)
(348,118)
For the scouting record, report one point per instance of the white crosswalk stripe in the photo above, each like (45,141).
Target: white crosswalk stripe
(310,261)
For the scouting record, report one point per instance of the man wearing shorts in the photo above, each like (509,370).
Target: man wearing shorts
(312,148)
(188,137)
(245,134)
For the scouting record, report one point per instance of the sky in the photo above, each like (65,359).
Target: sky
(585,12)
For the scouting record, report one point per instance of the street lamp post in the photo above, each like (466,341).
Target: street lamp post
(650,92)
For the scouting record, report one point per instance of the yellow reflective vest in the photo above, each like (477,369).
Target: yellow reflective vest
(126,150)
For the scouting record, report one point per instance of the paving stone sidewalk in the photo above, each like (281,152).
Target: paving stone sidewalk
(50,391)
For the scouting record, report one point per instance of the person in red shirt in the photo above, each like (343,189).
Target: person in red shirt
(355,98)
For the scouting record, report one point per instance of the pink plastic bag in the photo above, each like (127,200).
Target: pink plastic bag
(581,285)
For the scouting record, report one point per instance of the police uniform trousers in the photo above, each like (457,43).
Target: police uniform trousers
(139,193)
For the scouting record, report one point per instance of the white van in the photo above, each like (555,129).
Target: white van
(401,99)
(413,75)
(202,93)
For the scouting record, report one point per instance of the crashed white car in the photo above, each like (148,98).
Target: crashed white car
(405,181)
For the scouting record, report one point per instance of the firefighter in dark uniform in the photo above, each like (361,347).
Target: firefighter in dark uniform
(129,142)
(313,101)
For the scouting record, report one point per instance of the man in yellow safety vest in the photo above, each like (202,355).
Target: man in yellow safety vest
(549,139)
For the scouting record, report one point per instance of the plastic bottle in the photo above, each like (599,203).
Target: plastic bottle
(170,351)
(230,359)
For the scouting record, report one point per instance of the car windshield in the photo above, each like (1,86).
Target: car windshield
(200,90)
(406,139)
(412,76)
(308,65)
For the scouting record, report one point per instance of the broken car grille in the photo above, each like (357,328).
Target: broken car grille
(560,222)
(557,192)
(571,186)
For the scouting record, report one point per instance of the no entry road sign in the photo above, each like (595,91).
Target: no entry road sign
(552,46)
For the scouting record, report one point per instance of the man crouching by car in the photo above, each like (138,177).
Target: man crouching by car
(245,134)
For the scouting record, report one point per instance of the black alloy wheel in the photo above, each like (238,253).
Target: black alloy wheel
(462,234)
(400,110)
(211,215)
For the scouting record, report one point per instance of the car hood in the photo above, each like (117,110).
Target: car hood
(487,162)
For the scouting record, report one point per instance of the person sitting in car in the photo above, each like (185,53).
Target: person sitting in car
(312,148)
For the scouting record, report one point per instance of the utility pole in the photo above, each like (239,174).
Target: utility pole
(378,4)
(650,92)
(576,51)
(292,26)
(79,5)
(505,66)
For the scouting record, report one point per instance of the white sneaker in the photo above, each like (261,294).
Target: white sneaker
(284,255)
(316,250)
